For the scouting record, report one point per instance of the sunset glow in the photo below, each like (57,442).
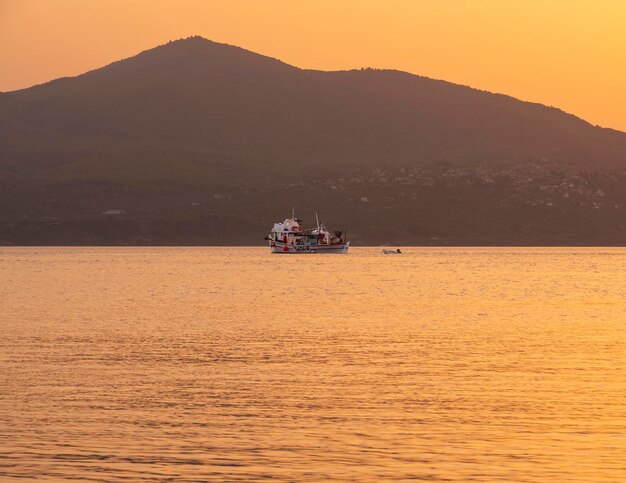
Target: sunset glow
(564,53)
(312,240)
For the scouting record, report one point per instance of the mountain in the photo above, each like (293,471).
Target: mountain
(196,142)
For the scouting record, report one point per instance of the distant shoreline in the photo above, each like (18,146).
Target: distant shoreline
(352,247)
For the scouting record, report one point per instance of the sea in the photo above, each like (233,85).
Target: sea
(233,364)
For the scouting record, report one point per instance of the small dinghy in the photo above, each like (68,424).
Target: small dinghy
(392,252)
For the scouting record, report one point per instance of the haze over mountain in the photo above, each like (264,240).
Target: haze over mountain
(198,142)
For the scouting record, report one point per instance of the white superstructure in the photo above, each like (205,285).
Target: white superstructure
(290,237)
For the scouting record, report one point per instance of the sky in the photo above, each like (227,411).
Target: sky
(569,54)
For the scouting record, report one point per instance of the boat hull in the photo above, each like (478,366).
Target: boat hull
(285,248)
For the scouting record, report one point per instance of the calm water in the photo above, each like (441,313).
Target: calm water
(130,364)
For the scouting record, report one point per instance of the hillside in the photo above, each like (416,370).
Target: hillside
(195,142)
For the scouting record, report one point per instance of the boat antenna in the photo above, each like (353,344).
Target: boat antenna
(317,220)
(293,213)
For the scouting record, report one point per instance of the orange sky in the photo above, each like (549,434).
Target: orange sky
(566,53)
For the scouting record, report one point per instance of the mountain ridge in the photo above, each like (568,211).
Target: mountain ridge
(196,121)
(204,41)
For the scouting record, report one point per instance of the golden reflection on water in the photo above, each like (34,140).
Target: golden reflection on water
(233,364)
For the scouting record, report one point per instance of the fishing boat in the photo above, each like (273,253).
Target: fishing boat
(290,237)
